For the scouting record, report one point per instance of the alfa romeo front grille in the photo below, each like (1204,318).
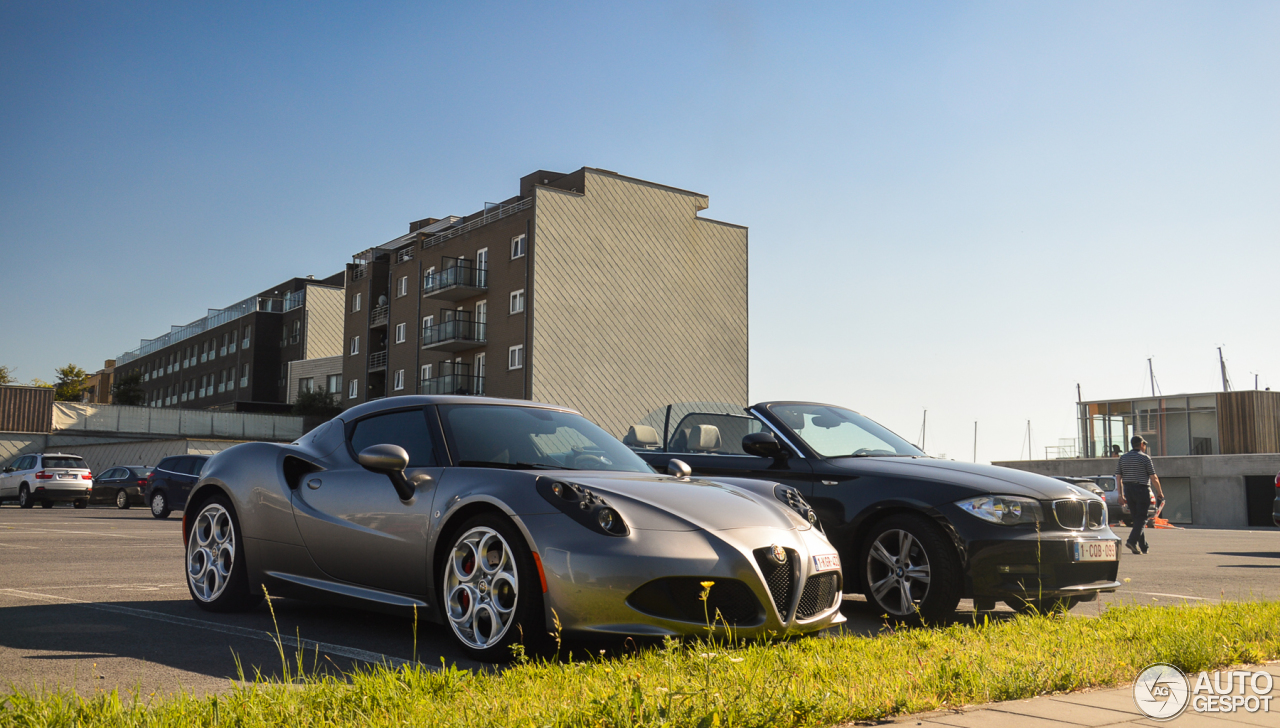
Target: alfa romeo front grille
(1076,515)
(818,594)
(780,578)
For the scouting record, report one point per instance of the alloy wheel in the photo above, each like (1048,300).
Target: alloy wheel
(211,552)
(122,499)
(23,497)
(481,587)
(898,572)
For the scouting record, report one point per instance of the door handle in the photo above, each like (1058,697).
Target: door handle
(314,483)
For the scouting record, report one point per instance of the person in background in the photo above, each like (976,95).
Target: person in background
(1135,473)
(1115,451)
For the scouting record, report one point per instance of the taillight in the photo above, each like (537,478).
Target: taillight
(42,475)
(87,476)
(142,481)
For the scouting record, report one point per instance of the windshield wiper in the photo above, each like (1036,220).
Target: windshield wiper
(510,466)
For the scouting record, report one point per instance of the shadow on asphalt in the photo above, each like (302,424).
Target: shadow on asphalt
(1248,554)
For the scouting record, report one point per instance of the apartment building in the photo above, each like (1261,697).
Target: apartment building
(237,358)
(593,290)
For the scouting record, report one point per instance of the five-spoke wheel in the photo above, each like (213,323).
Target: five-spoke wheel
(898,572)
(122,499)
(211,552)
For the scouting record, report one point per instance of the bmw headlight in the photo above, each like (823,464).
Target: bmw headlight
(1007,510)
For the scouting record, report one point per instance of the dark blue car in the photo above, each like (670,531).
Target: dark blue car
(170,483)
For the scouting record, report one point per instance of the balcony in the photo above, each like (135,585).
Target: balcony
(457,334)
(378,316)
(377,360)
(453,384)
(457,281)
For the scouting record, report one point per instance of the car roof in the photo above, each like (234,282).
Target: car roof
(58,455)
(772,402)
(419,400)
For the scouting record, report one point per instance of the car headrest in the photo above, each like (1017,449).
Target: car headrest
(641,436)
(704,438)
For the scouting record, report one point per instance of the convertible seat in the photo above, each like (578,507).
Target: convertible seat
(705,438)
(641,436)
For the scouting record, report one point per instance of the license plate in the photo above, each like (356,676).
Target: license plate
(1096,550)
(67,476)
(825,562)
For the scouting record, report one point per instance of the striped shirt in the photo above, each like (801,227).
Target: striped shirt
(1135,468)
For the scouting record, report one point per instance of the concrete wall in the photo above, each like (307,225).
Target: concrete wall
(636,302)
(318,369)
(103,456)
(324,318)
(1217,481)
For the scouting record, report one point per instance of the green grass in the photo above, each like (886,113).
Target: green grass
(815,681)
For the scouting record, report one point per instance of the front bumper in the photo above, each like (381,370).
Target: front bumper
(60,493)
(1006,562)
(591,580)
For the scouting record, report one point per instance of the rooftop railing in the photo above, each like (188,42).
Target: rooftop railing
(216,317)
(491,215)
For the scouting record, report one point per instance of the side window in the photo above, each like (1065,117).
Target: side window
(406,428)
(701,433)
(26,462)
(111,474)
(196,465)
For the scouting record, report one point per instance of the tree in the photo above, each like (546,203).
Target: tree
(71,379)
(317,403)
(128,390)
(6,375)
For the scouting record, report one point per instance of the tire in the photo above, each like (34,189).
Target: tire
(122,499)
(82,503)
(1059,605)
(473,597)
(926,586)
(24,497)
(159,504)
(217,575)
(46,504)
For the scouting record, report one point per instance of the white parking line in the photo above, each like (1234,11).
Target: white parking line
(339,650)
(13,531)
(16,546)
(1173,596)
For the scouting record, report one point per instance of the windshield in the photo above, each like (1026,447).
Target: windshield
(528,437)
(835,432)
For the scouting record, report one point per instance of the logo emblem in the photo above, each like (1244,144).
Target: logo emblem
(1161,692)
(778,554)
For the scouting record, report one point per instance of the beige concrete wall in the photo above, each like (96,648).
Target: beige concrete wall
(324,321)
(636,302)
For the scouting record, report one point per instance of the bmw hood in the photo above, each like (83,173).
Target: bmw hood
(984,478)
(663,503)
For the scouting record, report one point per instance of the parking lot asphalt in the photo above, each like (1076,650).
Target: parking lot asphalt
(95,599)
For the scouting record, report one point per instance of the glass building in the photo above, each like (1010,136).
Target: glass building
(1184,424)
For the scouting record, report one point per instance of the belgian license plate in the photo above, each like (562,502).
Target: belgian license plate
(1095,550)
(67,476)
(824,562)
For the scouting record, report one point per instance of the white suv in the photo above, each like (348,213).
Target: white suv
(46,478)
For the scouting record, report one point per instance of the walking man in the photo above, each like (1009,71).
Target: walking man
(1132,473)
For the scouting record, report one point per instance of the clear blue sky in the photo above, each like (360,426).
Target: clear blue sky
(964,207)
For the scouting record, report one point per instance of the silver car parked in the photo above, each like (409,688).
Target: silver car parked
(46,478)
(497,518)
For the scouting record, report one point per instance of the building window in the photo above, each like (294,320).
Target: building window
(402,286)
(428,277)
(480,365)
(355,303)
(245,344)
(213,349)
(297,332)
(517,301)
(518,246)
(425,373)
(335,384)
(306,385)
(482,259)
(427,322)
(400,333)
(352,388)
(515,357)
(399,379)
(226,338)
(244,376)
(355,345)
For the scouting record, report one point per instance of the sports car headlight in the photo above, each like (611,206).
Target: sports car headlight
(579,503)
(796,502)
(1007,510)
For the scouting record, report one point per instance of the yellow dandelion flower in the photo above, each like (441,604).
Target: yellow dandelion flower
(707,584)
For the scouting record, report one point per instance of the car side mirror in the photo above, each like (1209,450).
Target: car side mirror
(389,460)
(8,470)
(764,445)
(678,469)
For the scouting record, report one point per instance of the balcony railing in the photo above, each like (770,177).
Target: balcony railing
(378,360)
(491,215)
(378,316)
(456,282)
(453,384)
(360,272)
(457,334)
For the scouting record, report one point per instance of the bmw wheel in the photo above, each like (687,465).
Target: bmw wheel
(122,499)
(24,497)
(492,594)
(910,570)
(217,576)
(159,505)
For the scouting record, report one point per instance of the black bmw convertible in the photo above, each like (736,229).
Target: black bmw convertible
(915,534)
